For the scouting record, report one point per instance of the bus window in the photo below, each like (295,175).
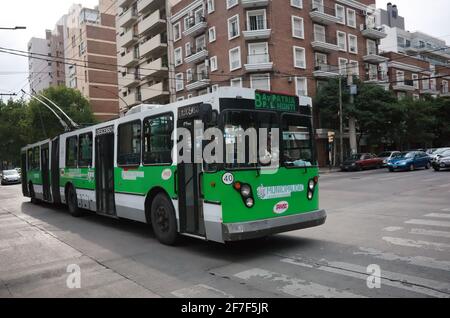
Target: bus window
(158,140)
(129,148)
(71,152)
(36,159)
(85,153)
(297,141)
(30,159)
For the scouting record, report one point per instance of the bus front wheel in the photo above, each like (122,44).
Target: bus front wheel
(72,202)
(163,220)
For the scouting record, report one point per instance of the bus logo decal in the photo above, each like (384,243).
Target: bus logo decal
(276,192)
(281,207)
(132,175)
(166,174)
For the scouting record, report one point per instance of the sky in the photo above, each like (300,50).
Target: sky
(39,15)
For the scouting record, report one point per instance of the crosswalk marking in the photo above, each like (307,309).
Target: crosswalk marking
(294,286)
(412,243)
(446,210)
(200,291)
(429,222)
(392,228)
(406,282)
(421,261)
(438,215)
(430,233)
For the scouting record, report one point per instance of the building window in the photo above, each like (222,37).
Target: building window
(212,34)
(299,57)
(231,3)
(236,82)
(416,83)
(256,20)
(371,47)
(351,18)
(301,86)
(260,81)
(179,84)
(416,97)
(178,52)
(200,43)
(340,13)
(400,77)
(210,6)
(318,5)
(233,27)
(319,33)
(425,83)
(85,153)
(342,66)
(213,62)
(353,68)
(187,22)
(258,53)
(188,49)
(158,140)
(235,58)
(444,87)
(177,31)
(188,75)
(297,3)
(298,27)
(353,44)
(129,140)
(71,152)
(342,41)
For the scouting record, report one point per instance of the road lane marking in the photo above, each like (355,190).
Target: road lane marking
(393,228)
(200,291)
(438,215)
(446,210)
(294,286)
(398,280)
(421,261)
(429,222)
(420,244)
(430,233)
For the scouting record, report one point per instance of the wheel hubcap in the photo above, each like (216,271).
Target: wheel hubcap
(162,219)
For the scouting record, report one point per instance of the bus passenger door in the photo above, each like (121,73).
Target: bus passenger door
(23,175)
(45,169)
(54,168)
(104,172)
(190,203)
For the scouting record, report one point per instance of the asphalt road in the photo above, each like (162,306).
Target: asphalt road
(398,223)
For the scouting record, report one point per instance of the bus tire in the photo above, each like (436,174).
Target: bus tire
(163,219)
(32,194)
(72,202)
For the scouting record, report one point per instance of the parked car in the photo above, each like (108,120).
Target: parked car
(438,152)
(10,177)
(388,155)
(361,161)
(442,161)
(410,161)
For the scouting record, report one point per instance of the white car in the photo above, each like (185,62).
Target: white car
(388,155)
(437,153)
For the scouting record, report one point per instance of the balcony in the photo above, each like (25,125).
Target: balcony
(128,18)
(154,23)
(199,81)
(196,28)
(145,6)
(156,68)
(155,92)
(258,63)
(154,46)
(200,56)
(254,3)
(380,79)
(373,33)
(324,15)
(127,39)
(430,91)
(124,3)
(133,99)
(405,86)
(325,71)
(373,57)
(257,34)
(130,80)
(130,59)
(325,44)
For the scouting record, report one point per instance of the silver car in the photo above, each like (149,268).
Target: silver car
(388,155)
(437,153)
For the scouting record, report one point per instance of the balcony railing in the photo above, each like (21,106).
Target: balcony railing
(199,54)
(144,6)
(258,62)
(324,43)
(154,45)
(325,71)
(154,23)
(372,32)
(199,80)
(254,3)
(127,18)
(257,31)
(195,26)
(324,15)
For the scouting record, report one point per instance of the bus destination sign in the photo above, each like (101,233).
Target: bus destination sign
(277,102)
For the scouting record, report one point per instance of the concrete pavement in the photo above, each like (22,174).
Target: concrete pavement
(398,223)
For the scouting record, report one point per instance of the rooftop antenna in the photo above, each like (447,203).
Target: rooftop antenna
(62,122)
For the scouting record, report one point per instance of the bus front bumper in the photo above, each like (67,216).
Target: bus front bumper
(261,228)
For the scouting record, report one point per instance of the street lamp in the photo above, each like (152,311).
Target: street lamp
(14,28)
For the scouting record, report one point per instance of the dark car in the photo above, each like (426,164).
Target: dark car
(10,177)
(442,161)
(361,161)
(410,161)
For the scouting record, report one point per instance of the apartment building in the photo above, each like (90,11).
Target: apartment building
(421,45)
(40,71)
(142,41)
(90,44)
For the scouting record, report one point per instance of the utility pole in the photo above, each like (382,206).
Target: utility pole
(341,122)
(352,121)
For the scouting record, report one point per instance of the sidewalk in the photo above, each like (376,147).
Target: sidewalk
(327,170)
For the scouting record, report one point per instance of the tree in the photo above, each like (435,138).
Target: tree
(442,123)
(44,124)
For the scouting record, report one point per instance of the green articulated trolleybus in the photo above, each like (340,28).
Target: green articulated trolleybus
(129,168)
